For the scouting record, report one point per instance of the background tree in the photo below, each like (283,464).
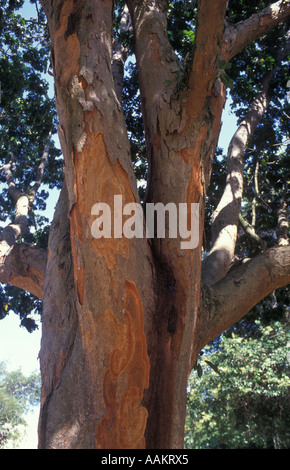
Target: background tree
(244,401)
(17,394)
(124,320)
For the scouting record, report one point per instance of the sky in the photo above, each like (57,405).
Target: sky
(18,347)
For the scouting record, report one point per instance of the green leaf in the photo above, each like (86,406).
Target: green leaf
(213,366)
(190,35)
(199,370)
(227,81)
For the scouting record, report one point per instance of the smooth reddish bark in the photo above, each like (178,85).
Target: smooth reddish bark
(124,319)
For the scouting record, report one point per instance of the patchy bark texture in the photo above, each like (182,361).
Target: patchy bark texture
(66,394)
(108,289)
(129,360)
(124,319)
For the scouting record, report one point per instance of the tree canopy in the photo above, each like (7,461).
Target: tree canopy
(17,394)
(238,395)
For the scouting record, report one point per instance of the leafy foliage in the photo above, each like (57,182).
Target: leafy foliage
(27,117)
(181,27)
(242,400)
(24,303)
(133,116)
(17,394)
(27,114)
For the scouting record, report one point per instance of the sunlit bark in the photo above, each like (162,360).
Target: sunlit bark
(123,326)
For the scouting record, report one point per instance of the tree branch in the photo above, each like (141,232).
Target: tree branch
(24,266)
(8,170)
(240,35)
(283,225)
(152,47)
(13,231)
(225,217)
(157,67)
(40,171)
(120,54)
(234,296)
(206,53)
(250,231)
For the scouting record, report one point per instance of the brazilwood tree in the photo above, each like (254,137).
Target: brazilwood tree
(124,319)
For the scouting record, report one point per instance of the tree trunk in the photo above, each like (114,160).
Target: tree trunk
(121,322)
(66,397)
(103,321)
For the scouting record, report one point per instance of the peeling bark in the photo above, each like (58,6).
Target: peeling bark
(180,143)
(66,396)
(106,272)
(121,321)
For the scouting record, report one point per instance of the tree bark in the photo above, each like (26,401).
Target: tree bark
(180,143)
(21,264)
(226,216)
(114,292)
(238,36)
(66,396)
(231,298)
(121,321)
(24,266)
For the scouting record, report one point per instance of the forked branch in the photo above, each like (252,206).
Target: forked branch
(230,299)
(120,54)
(238,36)
(225,217)
(24,266)
(207,50)
(22,201)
